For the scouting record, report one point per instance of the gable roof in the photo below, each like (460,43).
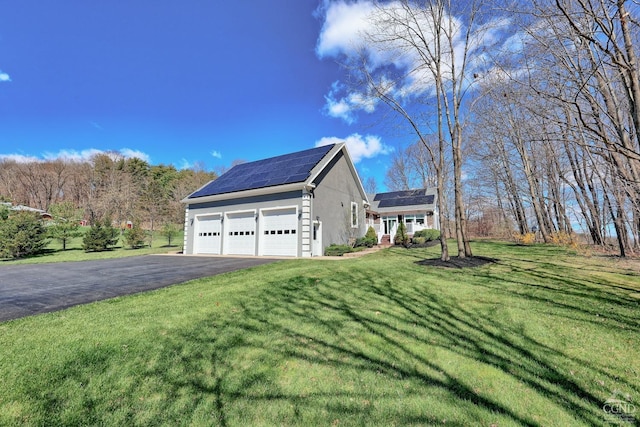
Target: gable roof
(406,200)
(12,207)
(287,172)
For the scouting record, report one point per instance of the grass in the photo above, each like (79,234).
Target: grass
(540,337)
(74,252)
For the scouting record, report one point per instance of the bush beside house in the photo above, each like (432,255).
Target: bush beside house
(401,237)
(426,234)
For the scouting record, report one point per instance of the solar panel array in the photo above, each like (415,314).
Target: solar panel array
(404,198)
(286,169)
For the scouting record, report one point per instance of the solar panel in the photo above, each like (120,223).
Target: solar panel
(398,194)
(407,201)
(280,170)
(404,198)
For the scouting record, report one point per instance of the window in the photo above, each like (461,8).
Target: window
(354,214)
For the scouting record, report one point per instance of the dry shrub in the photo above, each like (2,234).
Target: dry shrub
(524,239)
(570,241)
(562,238)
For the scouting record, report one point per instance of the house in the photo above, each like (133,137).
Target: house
(290,205)
(417,209)
(43,214)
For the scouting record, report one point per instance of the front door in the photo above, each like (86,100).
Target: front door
(390,225)
(317,239)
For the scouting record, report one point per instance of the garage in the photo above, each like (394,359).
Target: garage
(279,232)
(289,205)
(240,233)
(208,237)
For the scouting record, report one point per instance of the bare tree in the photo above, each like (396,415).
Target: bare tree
(581,66)
(433,46)
(370,185)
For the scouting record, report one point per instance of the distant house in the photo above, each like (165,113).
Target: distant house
(290,205)
(43,214)
(417,209)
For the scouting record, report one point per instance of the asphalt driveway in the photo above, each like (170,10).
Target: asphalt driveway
(39,288)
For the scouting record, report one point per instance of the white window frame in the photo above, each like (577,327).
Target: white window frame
(353,215)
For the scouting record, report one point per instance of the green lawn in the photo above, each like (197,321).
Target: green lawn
(74,252)
(541,337)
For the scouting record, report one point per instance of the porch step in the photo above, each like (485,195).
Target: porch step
(386,240)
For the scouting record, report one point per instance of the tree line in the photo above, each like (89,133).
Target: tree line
(108,185)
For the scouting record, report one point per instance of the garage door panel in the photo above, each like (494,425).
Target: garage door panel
(208,234)
(241,233)
(280,232)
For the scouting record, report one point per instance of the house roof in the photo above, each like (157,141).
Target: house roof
(26,208)
(287,172)
(407,200)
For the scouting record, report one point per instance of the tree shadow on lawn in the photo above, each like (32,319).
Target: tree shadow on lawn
(379,329)
(457,262)
(258,358)
(576,292)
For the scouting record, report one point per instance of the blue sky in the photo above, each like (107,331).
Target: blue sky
(174,82)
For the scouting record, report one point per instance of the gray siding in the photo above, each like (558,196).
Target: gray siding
(332,197)
(293,198)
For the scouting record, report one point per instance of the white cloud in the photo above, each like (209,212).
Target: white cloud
(19,158)
(339,108)
(359,147)
(96,125)
(216,154)
(350,34)
(4,77)
(128,153)
(346,107)
(184,164)
(343,28)
(74,155)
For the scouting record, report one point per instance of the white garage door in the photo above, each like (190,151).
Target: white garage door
(279,234)
(207,238)
(240,233)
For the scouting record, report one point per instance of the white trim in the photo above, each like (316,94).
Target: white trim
(280,208)
(341,146)
(208,214)
(185,231)
(247,193)
(240,211)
